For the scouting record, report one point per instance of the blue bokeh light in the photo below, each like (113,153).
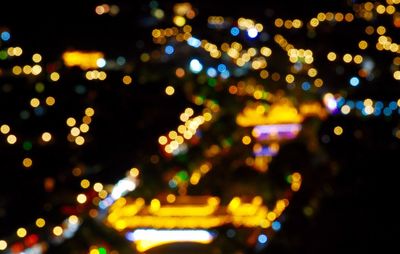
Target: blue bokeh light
(221,67)
(194,42)
(354,81)
(235,31)
(306,86)
(169,50)
(276,225)
(212,72)
(5,36)
(262,238)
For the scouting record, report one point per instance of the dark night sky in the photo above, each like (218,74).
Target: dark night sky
(357,217)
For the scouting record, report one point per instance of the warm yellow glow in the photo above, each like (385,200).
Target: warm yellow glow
(94,251)
(35,102)
(86,119)
(85,183)
(79,140)
(21,232)
(313,109)
(50,101)
(73,219)
(11,139)
(171,198)
(190,212)
(246,140)
(46,136)
(37,58)
(89,111)
(98,187)
(314,22)
(17,70)
(318,82)
(27,162)
(347,58)
(103,194)
(81,198)
(84,60)
(331,56)
(358,59)
(396,75)
(345,109)
(3,245)
(289,78)
(170,90)
(179,20)
(150,238)
(36,69)
(75,131)
(162,140)
(281,112)
(54,76)
(312,72)
(84,128)
(363,44)
(127,80)
(134,172)
(71,122)
(27,69)
(5,129)
(338,130)
(40,222)
(57,230)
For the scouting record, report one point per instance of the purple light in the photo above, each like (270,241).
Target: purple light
(276,131)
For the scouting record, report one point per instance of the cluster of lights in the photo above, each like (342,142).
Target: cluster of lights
(5,129)
(195,212)
(241,57)
(173,142)
(95,74)
(330,17)
(288,24)
(295,181)
(29,242)
(368,107)
(78,130)
(107,9)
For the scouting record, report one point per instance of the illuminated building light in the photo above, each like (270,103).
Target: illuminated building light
(281,112)
(277,131)
(84,60)
(146,239)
